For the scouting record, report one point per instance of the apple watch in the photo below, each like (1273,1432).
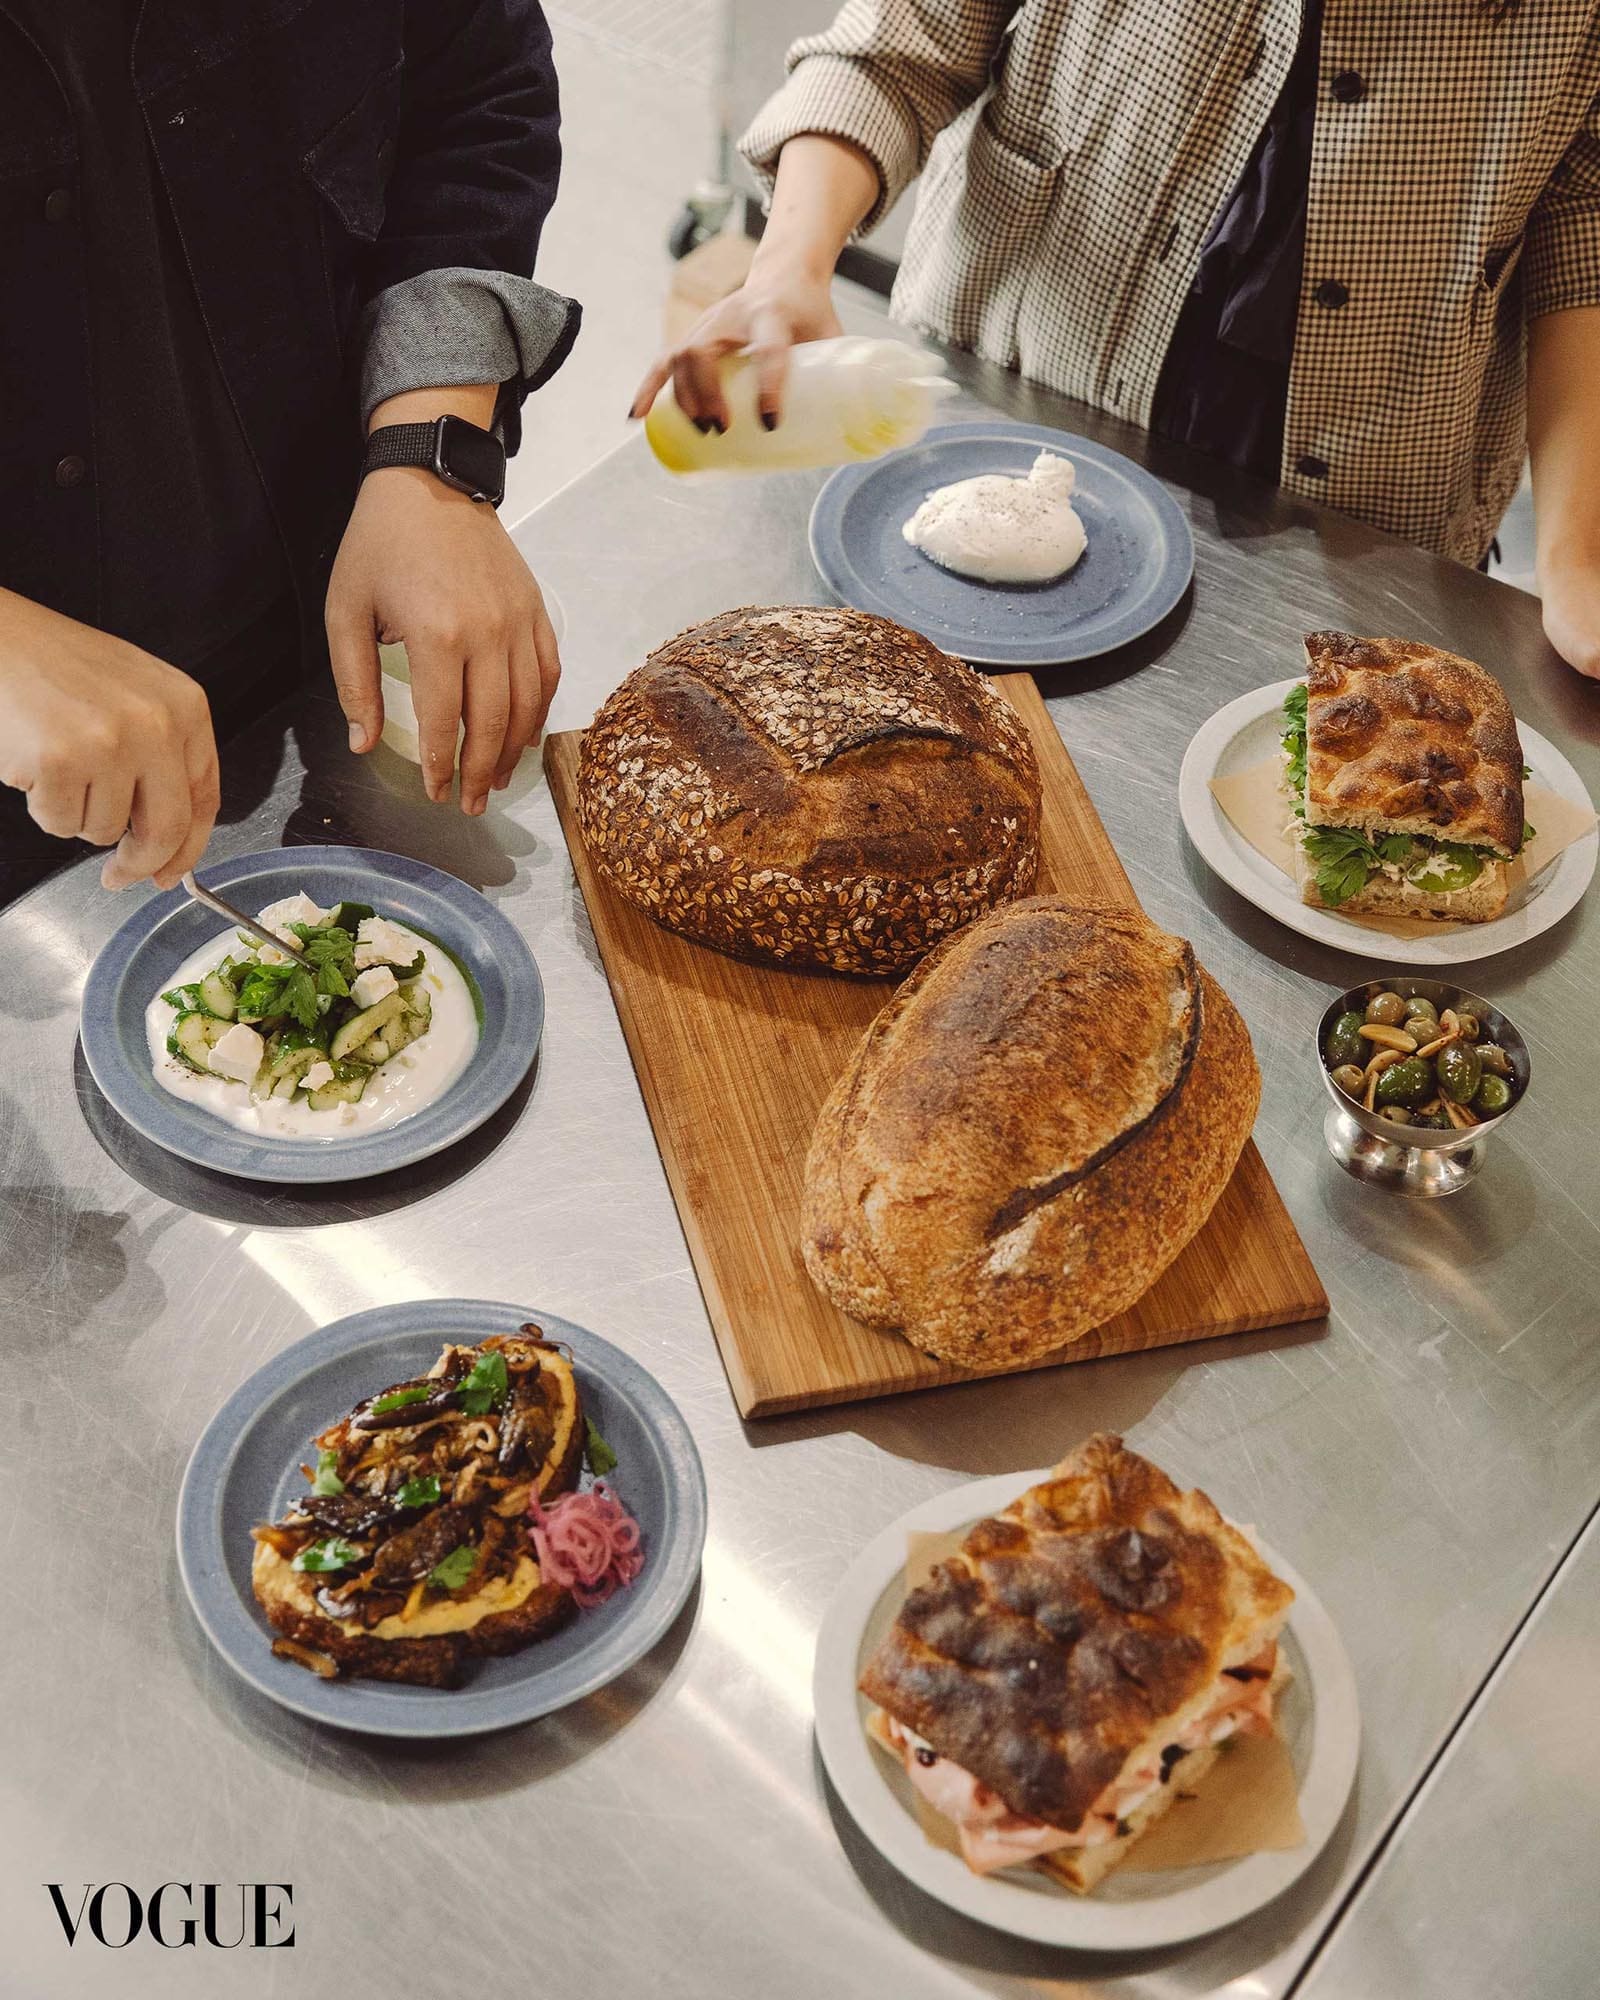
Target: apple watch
(470,460)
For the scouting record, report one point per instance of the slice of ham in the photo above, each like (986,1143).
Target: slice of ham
(993,1836)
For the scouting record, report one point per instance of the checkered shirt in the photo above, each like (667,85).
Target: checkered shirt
(1074,153)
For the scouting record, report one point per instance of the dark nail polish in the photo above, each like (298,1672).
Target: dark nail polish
(769,420)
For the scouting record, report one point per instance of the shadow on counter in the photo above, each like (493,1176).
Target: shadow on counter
(1012,1423)
(269,1204)
(1228,1955)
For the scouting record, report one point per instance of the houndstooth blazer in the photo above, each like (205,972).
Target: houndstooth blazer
(1073,154)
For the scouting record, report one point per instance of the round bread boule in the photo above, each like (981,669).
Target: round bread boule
(815,787)
(1028,1134)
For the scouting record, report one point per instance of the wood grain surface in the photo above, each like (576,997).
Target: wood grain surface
(734,1061)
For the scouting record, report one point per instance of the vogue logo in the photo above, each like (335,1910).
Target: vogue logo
(115,1914)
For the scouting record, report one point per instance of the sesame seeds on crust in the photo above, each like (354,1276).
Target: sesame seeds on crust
(817,787)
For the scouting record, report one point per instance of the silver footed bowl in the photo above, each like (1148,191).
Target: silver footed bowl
(1410,1159)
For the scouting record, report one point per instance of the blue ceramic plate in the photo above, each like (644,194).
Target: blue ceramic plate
(246,1468)
(138,962)
(1136,567)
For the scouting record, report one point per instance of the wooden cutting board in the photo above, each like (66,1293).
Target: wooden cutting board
(734,1061)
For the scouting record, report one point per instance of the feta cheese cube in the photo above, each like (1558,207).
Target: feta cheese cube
(237,1055)
(278,916)
(379,941)
(373,985)
(317,1075)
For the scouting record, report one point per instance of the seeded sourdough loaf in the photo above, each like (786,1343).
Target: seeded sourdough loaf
(816,787)
(1030,1131)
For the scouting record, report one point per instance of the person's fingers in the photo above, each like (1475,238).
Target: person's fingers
(108,807)
(650,387)
(205,800)
(353,650)
(770,342)
(436,694)
(549,654)
(158,821)
(526,704)
(486,711)
(697,383)
(58,799)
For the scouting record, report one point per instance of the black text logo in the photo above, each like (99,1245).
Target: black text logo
(114,1914)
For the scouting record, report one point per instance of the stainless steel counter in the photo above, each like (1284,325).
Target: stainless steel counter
(1489,1886)
(1425,1457)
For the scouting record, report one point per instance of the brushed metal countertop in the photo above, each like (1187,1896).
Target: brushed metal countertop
(1426,1457)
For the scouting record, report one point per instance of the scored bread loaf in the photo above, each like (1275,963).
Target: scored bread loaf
(1030,1131)
(816,787)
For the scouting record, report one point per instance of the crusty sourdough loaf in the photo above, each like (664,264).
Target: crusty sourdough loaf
(1404,738)
(1029,1133)
(820,788)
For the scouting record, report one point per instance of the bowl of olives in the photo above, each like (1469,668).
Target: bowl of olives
(1420,1074)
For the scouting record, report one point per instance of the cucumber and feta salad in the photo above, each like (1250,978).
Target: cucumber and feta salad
(274,1027)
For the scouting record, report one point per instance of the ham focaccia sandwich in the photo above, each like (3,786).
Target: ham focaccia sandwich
(1084,1656)
(409,1554)
(1404,774)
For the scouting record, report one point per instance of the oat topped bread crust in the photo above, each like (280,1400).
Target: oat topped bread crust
(1073,1625)
(809,785)
(1403,737)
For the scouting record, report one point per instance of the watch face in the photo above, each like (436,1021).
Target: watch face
(471,459)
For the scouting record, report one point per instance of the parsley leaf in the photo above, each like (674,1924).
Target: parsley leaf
(602,1459)
(422,1492)
(327,1478)
(485,1388)
(300,996)
(1344,862)
(333,1553)
(397,1399)
(455,1569)
(1294,738)
(332,981)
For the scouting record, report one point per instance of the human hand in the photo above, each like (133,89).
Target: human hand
(423,563)
(776,307)
(110,744)
(1571,594)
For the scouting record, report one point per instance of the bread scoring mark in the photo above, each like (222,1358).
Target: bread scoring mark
(1025,1201)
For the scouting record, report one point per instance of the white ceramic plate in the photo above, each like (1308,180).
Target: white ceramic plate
(1248,730)
(1318,1718)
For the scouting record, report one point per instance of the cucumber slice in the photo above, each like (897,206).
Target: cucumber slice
(351,916)
(289,1065)
(419,1004)
(189,1042)
(363,1026)
(217,996)
(185,998)
(349,1082)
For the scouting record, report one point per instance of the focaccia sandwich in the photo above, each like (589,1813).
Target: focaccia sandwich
(1089,1647)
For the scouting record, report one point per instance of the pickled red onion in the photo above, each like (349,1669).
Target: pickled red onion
(587,1543)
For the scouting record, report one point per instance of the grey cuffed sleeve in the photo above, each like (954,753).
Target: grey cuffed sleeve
(461,325)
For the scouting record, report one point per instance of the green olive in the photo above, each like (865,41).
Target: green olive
(1430,1121)
(1344,1043)
(1460,1071)
(1470,1026)
(1409,1081)
(1351,1079)
(1494,1059)
(1388,1008)
(1398,1114)
(1419,1009)
(1492,1096)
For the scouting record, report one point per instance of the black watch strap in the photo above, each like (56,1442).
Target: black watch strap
(399,444)
(471,460)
